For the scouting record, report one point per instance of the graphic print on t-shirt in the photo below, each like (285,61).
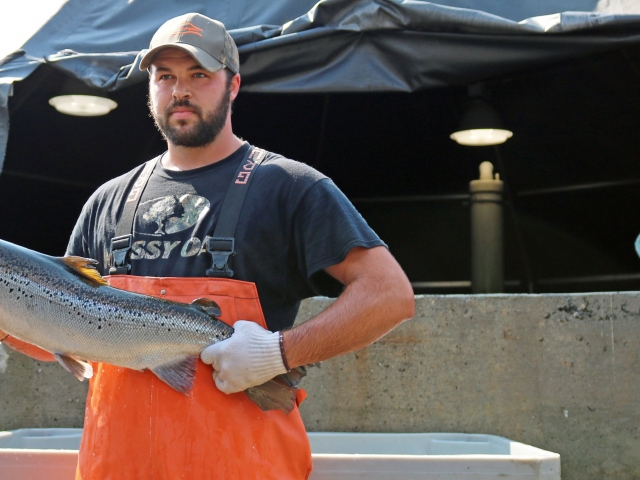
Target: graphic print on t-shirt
(171,214)
(165,216)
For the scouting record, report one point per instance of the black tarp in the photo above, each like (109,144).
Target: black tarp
(296,46)
(346,88)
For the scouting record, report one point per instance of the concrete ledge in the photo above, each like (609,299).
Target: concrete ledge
(559,372)
(38,394)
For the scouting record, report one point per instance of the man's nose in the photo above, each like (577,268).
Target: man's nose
(181,90)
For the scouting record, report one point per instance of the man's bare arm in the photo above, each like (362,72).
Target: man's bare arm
(377,298)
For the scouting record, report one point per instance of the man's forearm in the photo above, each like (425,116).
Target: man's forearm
(372,305)
(378,296)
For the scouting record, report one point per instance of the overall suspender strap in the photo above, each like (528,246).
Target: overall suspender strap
(123,240)
(221,245)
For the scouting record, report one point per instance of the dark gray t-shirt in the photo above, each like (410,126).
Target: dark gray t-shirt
(294,222)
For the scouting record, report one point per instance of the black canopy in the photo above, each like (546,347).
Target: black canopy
(296,46)
(367,92)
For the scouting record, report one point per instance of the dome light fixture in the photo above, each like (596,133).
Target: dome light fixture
(481,125)
(82,105)
(82,100)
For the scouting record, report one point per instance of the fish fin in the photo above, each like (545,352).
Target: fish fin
(293,376)
(210,307)
(74,366)
(178,374)
(279,393)
(273,395)
(85,267)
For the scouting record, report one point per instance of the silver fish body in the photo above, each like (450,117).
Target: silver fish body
(62,305)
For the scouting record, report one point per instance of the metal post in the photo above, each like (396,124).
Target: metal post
(487,263)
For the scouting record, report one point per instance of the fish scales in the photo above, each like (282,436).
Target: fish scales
(60,312)
(64,306)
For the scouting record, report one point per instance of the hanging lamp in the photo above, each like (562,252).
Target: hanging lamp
(79,99)
(481,125)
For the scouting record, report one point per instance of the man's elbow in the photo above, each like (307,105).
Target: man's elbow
(408,304)
(404,299)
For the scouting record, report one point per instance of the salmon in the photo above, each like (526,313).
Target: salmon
(64,306)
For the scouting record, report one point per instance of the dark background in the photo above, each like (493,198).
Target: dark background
(574,123)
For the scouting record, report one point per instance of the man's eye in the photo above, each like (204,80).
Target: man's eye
(165,77)
(199,75)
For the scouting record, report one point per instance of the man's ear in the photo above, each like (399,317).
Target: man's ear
(235,86)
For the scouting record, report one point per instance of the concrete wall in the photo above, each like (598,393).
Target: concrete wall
(560,372)
(38,394)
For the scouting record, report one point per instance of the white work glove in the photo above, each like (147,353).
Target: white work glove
(250,357)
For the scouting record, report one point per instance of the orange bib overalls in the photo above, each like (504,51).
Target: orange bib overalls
(137,427)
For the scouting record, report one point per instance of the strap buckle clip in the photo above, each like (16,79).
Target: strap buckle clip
(120,247)
(220,248)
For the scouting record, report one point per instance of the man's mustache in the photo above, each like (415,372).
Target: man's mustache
(173,106)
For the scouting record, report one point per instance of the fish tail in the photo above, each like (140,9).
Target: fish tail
(278,393)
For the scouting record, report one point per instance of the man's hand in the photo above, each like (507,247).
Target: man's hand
(250,357)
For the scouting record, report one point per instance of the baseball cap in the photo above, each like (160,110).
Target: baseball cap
(205,39)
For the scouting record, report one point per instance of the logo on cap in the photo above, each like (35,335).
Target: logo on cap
(189,29)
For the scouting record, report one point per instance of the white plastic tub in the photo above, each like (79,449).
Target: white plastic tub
(41,453)
(428,456)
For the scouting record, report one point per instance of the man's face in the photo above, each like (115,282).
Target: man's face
(189,104)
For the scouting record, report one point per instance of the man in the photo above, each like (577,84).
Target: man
(296,236)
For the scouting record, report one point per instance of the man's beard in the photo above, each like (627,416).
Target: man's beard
(200,134)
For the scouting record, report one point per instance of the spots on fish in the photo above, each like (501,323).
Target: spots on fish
(72,301)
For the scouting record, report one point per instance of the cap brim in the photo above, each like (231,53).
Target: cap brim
(203,58)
